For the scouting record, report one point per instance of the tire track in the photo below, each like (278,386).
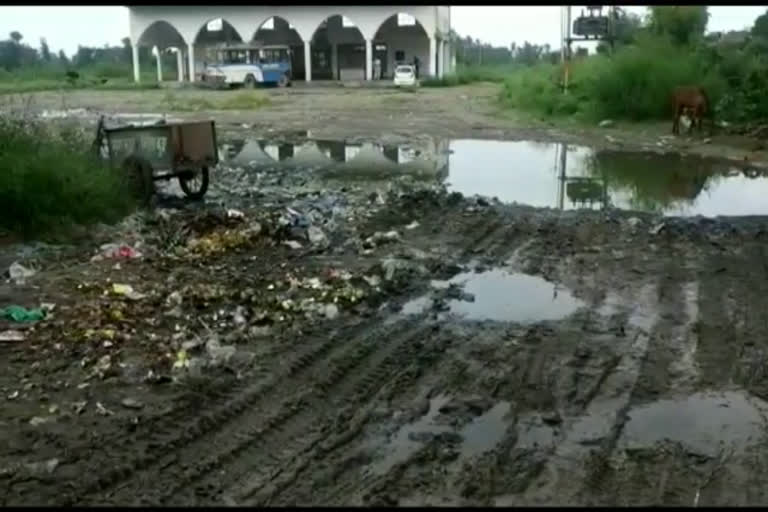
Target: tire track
(165,436)
(375,388)
(205,455)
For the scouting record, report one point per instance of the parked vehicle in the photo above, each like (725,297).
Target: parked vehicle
(249,66)
(405,75)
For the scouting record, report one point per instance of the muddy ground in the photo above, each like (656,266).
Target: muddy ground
(302,353)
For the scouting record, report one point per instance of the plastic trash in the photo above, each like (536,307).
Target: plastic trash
(11,335)
(127,291)
(19,273)
(21,314)
(117,252)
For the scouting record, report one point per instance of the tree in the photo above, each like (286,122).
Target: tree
(16,37)
(683,24)
(626,26)
(63,57)
(45,52)
(760,28)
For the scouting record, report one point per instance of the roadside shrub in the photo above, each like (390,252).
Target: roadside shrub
(50,181)
(635,83)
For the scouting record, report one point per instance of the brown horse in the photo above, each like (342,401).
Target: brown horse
(694,103)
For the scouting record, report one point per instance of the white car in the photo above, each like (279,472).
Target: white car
(405,75)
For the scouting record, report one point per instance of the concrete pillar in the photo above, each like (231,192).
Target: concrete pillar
(368,60)
(335,61)
(191,55)
(136,71)
(308,61)
(159,65)
(440,61)
(432,56)
(179,65)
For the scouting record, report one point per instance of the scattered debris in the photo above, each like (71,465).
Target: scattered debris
(19,274)
(21,314)
(12,335)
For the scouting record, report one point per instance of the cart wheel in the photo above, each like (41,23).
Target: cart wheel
(139,172)
(195,183)
(250,82)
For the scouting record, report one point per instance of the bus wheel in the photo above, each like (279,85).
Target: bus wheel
(250,82)
(283,82)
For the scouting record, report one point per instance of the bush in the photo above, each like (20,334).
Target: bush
(51,181)
(635,83)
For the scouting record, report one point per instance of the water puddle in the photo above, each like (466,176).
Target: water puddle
(568,177)
(540,174)
(479,436)
(503,296)
(485,431)
(340,159)
(704,423)
(405,442)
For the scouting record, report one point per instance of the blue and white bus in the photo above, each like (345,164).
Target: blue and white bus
(249,65)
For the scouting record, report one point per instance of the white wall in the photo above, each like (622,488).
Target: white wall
(189,20)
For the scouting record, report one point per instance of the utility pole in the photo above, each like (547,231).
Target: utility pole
(567,45)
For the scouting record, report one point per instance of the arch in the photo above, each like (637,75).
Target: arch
(215,32)
(162,34)
(278,29)
(401,38)
(338,49)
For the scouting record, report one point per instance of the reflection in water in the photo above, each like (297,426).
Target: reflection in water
(537,174)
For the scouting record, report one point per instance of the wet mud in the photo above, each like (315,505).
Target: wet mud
(432,347)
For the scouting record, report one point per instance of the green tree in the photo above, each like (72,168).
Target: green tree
(16,37)
(683,24)
(760,28)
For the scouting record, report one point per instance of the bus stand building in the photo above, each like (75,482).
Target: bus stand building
(326,42)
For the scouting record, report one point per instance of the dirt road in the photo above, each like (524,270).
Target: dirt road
(388,115)
(390,344)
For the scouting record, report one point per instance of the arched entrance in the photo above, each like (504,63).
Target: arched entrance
(279,31)
(163,43)
(401,39)
(338,50)
(214,34)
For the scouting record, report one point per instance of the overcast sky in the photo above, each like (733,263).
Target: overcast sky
(65,27)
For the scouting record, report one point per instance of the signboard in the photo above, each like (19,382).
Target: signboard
(147,143)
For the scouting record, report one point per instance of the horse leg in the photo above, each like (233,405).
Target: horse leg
(676,121)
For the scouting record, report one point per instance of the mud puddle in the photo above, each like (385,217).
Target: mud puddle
(349,161)
(497,295)
(569,177)
(479,436)
(704,423)
(547,175)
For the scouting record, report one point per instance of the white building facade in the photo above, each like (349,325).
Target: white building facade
(327,42)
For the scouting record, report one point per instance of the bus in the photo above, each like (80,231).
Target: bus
(249,66)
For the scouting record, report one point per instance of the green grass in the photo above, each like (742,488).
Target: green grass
(52,182)
(634,84)
(36,79)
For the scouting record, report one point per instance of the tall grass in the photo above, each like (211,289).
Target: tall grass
(633,84)
(50,180)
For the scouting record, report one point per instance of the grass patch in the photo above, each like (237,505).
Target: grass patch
(242,100)
(44,79)
(51,181)
(634,84)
